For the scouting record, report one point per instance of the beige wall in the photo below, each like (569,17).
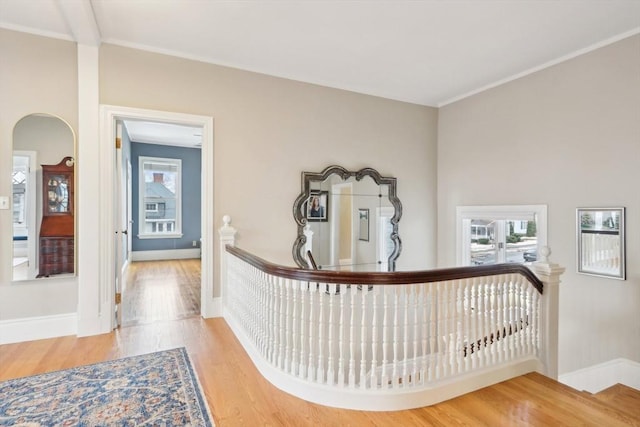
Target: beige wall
(567,137)
(266,132)
(37,75)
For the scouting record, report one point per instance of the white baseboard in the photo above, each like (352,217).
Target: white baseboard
(165,254)
(214,309)
(38,328)
(599,377)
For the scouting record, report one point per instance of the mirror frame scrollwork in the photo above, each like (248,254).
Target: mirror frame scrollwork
(301,220)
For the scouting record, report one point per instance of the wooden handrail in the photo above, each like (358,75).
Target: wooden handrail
(386,278)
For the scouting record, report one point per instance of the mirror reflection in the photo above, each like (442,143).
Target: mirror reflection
(42,189)
(347,221)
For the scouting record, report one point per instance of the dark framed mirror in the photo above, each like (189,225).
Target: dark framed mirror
(347,221)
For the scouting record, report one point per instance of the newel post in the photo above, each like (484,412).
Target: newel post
(227,237)
(549,273)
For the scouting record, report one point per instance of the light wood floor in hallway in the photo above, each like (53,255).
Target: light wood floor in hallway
(239,396)
(161,290)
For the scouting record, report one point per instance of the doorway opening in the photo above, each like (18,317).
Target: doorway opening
(185,251)
(159,169)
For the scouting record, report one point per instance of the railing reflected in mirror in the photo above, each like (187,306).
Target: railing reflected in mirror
(40,140)
(347,220)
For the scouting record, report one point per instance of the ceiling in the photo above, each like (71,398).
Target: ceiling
(163,133)
(430,52)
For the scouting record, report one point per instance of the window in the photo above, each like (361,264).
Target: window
(500,234)
(160,194)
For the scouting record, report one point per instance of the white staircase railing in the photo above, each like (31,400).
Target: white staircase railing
(385,341)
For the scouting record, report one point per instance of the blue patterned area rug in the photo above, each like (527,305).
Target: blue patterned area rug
(157,389)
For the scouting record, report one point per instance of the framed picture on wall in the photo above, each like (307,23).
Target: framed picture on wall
(318,206)
(600,242)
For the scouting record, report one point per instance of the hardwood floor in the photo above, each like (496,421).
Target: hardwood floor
(161,290)
(239,396)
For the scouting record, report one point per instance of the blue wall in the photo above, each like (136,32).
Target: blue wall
(191,189)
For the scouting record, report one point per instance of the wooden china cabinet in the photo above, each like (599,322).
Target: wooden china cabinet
(57,228)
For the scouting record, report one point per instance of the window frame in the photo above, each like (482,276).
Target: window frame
(464,215)
(142,203)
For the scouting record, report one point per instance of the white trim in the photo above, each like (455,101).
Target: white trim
(38,328)
(602,376)
(108,115)
(215,308)
(81,20)
(165,254)
(160,236)
(90,183)
(535,69)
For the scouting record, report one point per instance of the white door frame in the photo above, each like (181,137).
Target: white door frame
(108,116)
(31,202)
(336,225)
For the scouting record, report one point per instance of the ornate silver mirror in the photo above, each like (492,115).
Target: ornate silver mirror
(347,221)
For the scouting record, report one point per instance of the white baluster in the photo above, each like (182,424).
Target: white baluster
(374,338)
(385,337)
(321,334)
(275,318)
(443,322)
(331,343)
(272,316)
(351,369)
(528,320)
(415,370)
(494,332)
(424,331)
(311,366)
(406,298)
(484,327)
(512,319)
(265,313)
(304,333)
(426,354)
(433,332)
(459,317)
(363,337)
(395,374)
(522,288)
(294,327)
(453,329)
(467,313)
(474,324)
(280,321)
(288,324)
(500,327)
